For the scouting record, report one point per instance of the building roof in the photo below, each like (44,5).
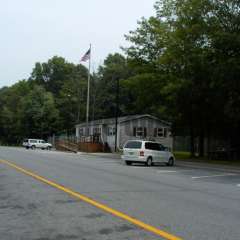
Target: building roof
(108,121)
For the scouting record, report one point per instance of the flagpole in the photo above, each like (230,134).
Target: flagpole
(88,92)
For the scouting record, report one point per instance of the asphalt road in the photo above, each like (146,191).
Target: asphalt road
(190,201)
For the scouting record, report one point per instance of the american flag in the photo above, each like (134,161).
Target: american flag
(86,56)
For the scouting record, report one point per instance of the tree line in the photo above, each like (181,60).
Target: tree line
(182,65)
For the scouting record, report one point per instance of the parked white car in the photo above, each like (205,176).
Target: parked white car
(36,143)
(138,151)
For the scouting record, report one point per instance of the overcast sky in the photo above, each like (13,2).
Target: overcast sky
(36,30)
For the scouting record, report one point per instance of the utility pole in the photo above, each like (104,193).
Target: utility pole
(116,113)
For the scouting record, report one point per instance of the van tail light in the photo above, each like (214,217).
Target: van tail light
(141,153)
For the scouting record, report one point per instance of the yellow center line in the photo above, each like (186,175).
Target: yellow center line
(90,201)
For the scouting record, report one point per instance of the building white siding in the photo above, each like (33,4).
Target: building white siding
(144,127)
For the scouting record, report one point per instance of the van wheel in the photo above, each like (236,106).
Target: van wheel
(128,162)
(170,162)
(33,147)
(149,162)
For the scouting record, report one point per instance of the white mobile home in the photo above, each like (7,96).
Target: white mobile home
(130,127)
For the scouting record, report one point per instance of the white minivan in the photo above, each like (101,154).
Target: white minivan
(36,143)
(148,152)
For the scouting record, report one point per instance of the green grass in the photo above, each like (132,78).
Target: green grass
(187,156)
(182,155)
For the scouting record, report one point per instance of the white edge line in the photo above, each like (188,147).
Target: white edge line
(219,175)
(208,167)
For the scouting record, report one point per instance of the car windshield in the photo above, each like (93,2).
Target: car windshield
(133,144)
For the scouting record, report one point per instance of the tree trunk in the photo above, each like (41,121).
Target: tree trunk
(201,144)
(192,141)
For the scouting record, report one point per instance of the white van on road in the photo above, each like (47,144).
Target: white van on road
(36,143)
(148,152)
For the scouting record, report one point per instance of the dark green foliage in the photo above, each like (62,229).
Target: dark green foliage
(114,69)
(39,113)
(53,99)
(190,52)
(10,111)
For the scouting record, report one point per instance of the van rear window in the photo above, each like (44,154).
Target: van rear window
(133,144)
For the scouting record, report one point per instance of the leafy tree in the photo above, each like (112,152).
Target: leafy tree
(52,74)
(39,113)
(68,83)
(72,98)
(10,116)
(225,42)
(114,69)
(148,84)
(190,51)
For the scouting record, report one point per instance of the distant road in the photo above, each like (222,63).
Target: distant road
(108,200)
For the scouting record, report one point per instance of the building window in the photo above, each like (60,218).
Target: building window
(139,132)
(111,131)
(97,131)
(160,132)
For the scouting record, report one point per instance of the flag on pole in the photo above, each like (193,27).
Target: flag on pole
(86,56)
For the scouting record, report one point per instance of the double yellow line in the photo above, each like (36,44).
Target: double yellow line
(114,212)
